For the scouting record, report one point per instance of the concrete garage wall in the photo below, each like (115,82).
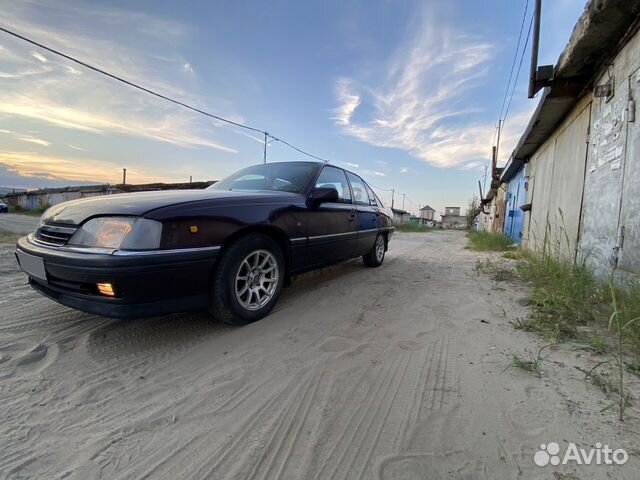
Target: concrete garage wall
(612,186)
(556,181)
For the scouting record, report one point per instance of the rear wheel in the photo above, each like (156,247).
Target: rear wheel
(247,281)
(375,257)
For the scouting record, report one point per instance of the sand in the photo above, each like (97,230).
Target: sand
(389,373)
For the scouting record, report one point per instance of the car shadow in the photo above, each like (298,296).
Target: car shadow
(38,321)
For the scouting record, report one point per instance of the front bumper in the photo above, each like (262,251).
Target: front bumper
(146,283)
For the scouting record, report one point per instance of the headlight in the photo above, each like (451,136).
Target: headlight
(126,233)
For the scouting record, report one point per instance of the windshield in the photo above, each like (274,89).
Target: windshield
(282,177)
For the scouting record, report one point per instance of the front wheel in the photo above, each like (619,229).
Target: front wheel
(247,281)
(375,257)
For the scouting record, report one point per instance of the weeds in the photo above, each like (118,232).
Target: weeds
(530,362)
(600,378)
(412,227)
(594,343)
(500,272)
(564,295)
(621,321)
(515,254)
(9,237)
(36,212)
(634,367)
(483,241)
(598,344)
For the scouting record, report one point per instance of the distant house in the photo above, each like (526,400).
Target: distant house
(46,197)
(427,216)
(452,218)
(400,216)
(452,211)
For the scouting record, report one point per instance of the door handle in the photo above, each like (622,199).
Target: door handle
(352,217)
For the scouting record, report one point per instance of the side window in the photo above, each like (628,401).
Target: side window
(373,200)
(334,177)
(360,195)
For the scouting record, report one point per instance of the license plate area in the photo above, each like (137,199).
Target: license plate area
(32,265)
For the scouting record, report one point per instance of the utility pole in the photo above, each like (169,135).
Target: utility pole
(497,147)
(484,177)
(403,197)
(190,178)
(265,147)
(393,196)
(124,176)
(533,72)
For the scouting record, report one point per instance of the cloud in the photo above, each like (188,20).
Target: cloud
(416,106)
(349,102)
(26,138)
(48,167)
(38,56)
(166,127)
(54,92)
(474,165)
(37,141)
(404,170)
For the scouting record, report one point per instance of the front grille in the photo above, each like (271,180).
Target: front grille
(54,235)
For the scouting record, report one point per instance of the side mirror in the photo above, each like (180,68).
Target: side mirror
(322,195)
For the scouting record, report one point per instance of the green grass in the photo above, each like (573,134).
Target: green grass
(564,295)
(9,237)
(529,362)
(486,241)
(499,271)
(412,227)
(32,213)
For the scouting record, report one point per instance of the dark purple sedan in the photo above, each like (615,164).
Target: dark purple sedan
(230,248)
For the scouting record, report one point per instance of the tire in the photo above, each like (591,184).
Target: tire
(375,257)
(229,302)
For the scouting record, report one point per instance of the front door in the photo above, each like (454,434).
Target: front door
(332,229)
(368,215)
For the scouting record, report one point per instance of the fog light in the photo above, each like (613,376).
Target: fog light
(106,289)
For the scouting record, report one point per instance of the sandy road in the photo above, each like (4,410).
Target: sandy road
(388,373)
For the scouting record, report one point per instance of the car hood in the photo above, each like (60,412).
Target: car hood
(75,212)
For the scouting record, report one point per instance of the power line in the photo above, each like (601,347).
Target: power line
(524,49)
(380,188)
(127,82)
(297,149)
(156,94)
(515,56)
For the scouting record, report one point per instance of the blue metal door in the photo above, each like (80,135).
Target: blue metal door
(516,196)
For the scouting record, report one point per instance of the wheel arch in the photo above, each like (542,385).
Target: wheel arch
(278,235)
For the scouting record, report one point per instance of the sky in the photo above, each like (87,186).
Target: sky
(405,93)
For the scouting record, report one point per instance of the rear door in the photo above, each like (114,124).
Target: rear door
(332,226)
(367,212)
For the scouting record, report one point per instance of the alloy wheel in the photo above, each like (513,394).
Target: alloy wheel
(379,248)
(256,280)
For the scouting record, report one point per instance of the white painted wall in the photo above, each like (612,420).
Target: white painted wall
(556,181)
(612,185)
